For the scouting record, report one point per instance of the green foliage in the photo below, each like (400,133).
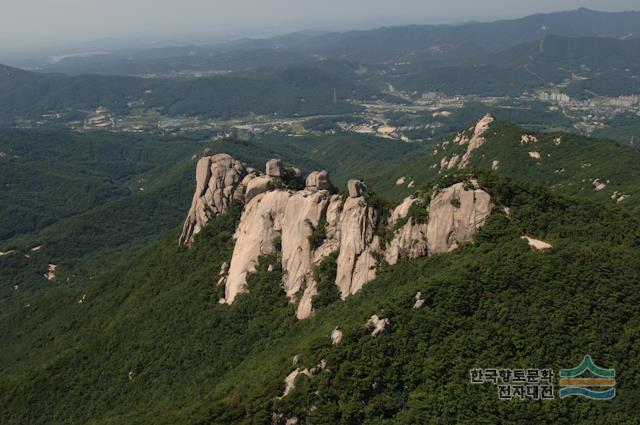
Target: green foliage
(48,175)
(318,235)
(292,179)
(382,207)
(417,213)
(324,275)
(455,202)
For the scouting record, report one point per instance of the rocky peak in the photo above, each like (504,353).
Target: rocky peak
(318,180)
(356,188)
(218,178)
(314,223)
(477,139)
(274,168)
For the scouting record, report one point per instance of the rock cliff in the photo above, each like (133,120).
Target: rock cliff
(312,223)
(455,213)
(218,179)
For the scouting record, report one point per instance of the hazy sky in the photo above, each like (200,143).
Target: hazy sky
(32,22)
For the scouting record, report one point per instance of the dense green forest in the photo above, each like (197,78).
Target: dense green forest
(127,299)
(49,175)
(494,302)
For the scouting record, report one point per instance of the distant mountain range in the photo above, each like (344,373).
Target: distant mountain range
(420,44)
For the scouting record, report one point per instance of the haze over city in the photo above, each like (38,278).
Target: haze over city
(38,24)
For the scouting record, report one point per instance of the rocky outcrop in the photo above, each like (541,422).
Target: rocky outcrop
(318,180)
(537,244)
(477,139)
(313,223)
(356,263)
(303,213)
(274,168)
(290,381)
(617,196)
(380,326)
(51,271)
(599,184)
(356,188)
(260,224)
(217,182)
(455,214)
(410,240)
(528,138)
(336,336)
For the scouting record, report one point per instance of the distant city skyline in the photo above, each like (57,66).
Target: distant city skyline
(36,23)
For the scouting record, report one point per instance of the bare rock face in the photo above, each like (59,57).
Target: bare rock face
(356,188)
(274,168)
(290,381)
(455,214)
(256,186)
(303,213)
(380,326)
(318,180)
(242,187)
(350,224)
(537,244)
(217,180)
(356,264)
(260,224)
(336,336)
(410,240)
(477,139)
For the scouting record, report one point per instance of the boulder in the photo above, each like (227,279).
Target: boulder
(356,188)
(380,326)
(274,168)
(318,180)
(336,336)
(256,186)
(599,184)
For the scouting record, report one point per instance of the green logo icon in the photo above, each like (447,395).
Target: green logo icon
(573,384)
